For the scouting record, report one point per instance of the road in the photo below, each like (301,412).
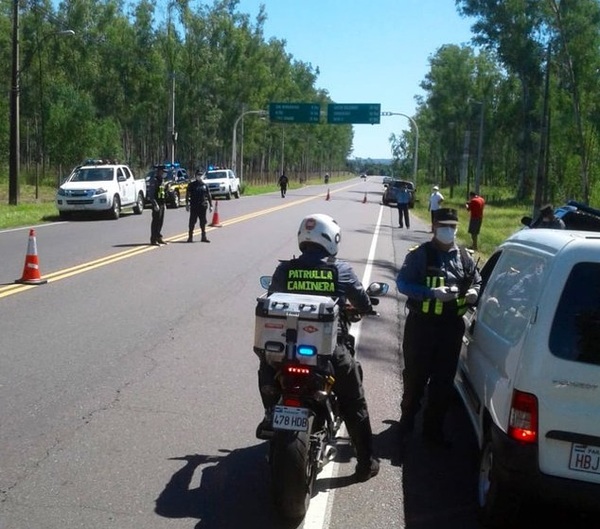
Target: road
(128,382)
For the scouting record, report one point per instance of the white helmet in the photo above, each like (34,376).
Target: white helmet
(322,230)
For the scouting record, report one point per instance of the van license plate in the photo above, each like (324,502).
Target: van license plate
(289,418)
(585,458)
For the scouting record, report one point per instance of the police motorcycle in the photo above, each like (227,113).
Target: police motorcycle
(297,334)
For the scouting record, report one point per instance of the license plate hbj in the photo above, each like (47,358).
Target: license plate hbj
(585,458)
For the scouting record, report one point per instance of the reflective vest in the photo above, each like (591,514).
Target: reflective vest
(435,278)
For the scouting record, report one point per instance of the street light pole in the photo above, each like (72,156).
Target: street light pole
(416,156)
(13,170)
(234,139)
(15,127)
(479,149)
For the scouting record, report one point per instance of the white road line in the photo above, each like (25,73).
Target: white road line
(319,510)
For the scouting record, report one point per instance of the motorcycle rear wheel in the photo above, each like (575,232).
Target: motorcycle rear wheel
(293,473)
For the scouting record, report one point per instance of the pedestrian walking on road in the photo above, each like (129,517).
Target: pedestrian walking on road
(435,203)
(475,206)
(156,193)
(439,279)
(197,201)
(283,184)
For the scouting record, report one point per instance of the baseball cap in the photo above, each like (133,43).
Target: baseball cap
(446,216)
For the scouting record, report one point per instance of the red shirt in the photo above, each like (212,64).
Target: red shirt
(475,206)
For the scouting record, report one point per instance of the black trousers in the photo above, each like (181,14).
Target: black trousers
(158,219)
(351,396)
(283,190)
(403,217)
(197,214)
(431,347)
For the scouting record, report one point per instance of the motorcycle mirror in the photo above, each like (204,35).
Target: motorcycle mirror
(378,289)
(265,282)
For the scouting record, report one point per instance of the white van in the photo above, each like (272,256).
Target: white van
(529,373)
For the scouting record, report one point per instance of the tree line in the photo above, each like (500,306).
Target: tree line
(516,108)
(531,87)
(145,84)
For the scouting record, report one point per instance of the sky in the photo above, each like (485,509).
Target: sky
(367,51)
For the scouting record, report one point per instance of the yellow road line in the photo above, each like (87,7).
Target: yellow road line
(9,290)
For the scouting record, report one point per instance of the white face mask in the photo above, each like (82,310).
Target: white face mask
(445,235)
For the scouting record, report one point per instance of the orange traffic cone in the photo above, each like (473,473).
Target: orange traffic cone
(31,270)
(365,198)
(215,220)
(327,197)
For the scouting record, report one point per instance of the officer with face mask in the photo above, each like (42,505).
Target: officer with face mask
(440,279)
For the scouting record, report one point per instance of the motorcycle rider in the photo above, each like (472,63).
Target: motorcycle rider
(318,239)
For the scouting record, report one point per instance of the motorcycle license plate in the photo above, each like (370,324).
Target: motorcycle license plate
(289,418)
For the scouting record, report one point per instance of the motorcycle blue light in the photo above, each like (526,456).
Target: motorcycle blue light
(306,350)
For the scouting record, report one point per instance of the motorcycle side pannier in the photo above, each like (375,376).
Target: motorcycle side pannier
(315,318)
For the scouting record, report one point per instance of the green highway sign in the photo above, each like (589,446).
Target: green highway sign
(295,112)
(354,113)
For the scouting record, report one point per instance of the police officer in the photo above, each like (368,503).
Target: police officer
(440,279)
(283,184)
(156,193)
(197,200)
(318,239)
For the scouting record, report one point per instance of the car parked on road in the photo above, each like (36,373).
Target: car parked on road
(222,183)
(389,192)
(529,373)
(176,180)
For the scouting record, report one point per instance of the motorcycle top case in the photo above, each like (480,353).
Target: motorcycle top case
(314,317)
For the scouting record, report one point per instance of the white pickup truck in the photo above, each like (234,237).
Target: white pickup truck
(101,187)
(222,183)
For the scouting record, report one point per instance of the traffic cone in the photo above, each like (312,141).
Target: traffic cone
(215,220)
(31,270)
(365,198)
(327,197)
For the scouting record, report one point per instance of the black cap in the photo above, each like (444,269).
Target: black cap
(445,216)
(546,210)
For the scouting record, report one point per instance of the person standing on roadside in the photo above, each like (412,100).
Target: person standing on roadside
(402,203)
(475,207)
(156,193)
(283,183)
(439,279)
(197,201)
(435,203)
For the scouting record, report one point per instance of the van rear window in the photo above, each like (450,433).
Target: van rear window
(575,333)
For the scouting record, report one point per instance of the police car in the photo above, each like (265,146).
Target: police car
(176,180)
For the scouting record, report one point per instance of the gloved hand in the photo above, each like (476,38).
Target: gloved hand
(187,207)
(471,296)
(445,293)
(155,207)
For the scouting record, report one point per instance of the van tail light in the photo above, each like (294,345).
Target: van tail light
(523,421)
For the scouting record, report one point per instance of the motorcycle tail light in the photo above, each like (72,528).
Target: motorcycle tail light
(297,370)
(306,350)
(292,401)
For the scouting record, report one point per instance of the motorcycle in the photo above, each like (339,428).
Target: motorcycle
(306,418)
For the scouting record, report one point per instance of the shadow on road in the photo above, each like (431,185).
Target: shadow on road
(232,492)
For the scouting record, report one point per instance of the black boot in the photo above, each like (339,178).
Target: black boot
(367,465)
(190,236)
(204,239)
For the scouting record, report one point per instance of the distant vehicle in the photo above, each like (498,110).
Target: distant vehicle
(176,180)
(575,215)
(389,193)
(363,176)
(222,183)
(101,186)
